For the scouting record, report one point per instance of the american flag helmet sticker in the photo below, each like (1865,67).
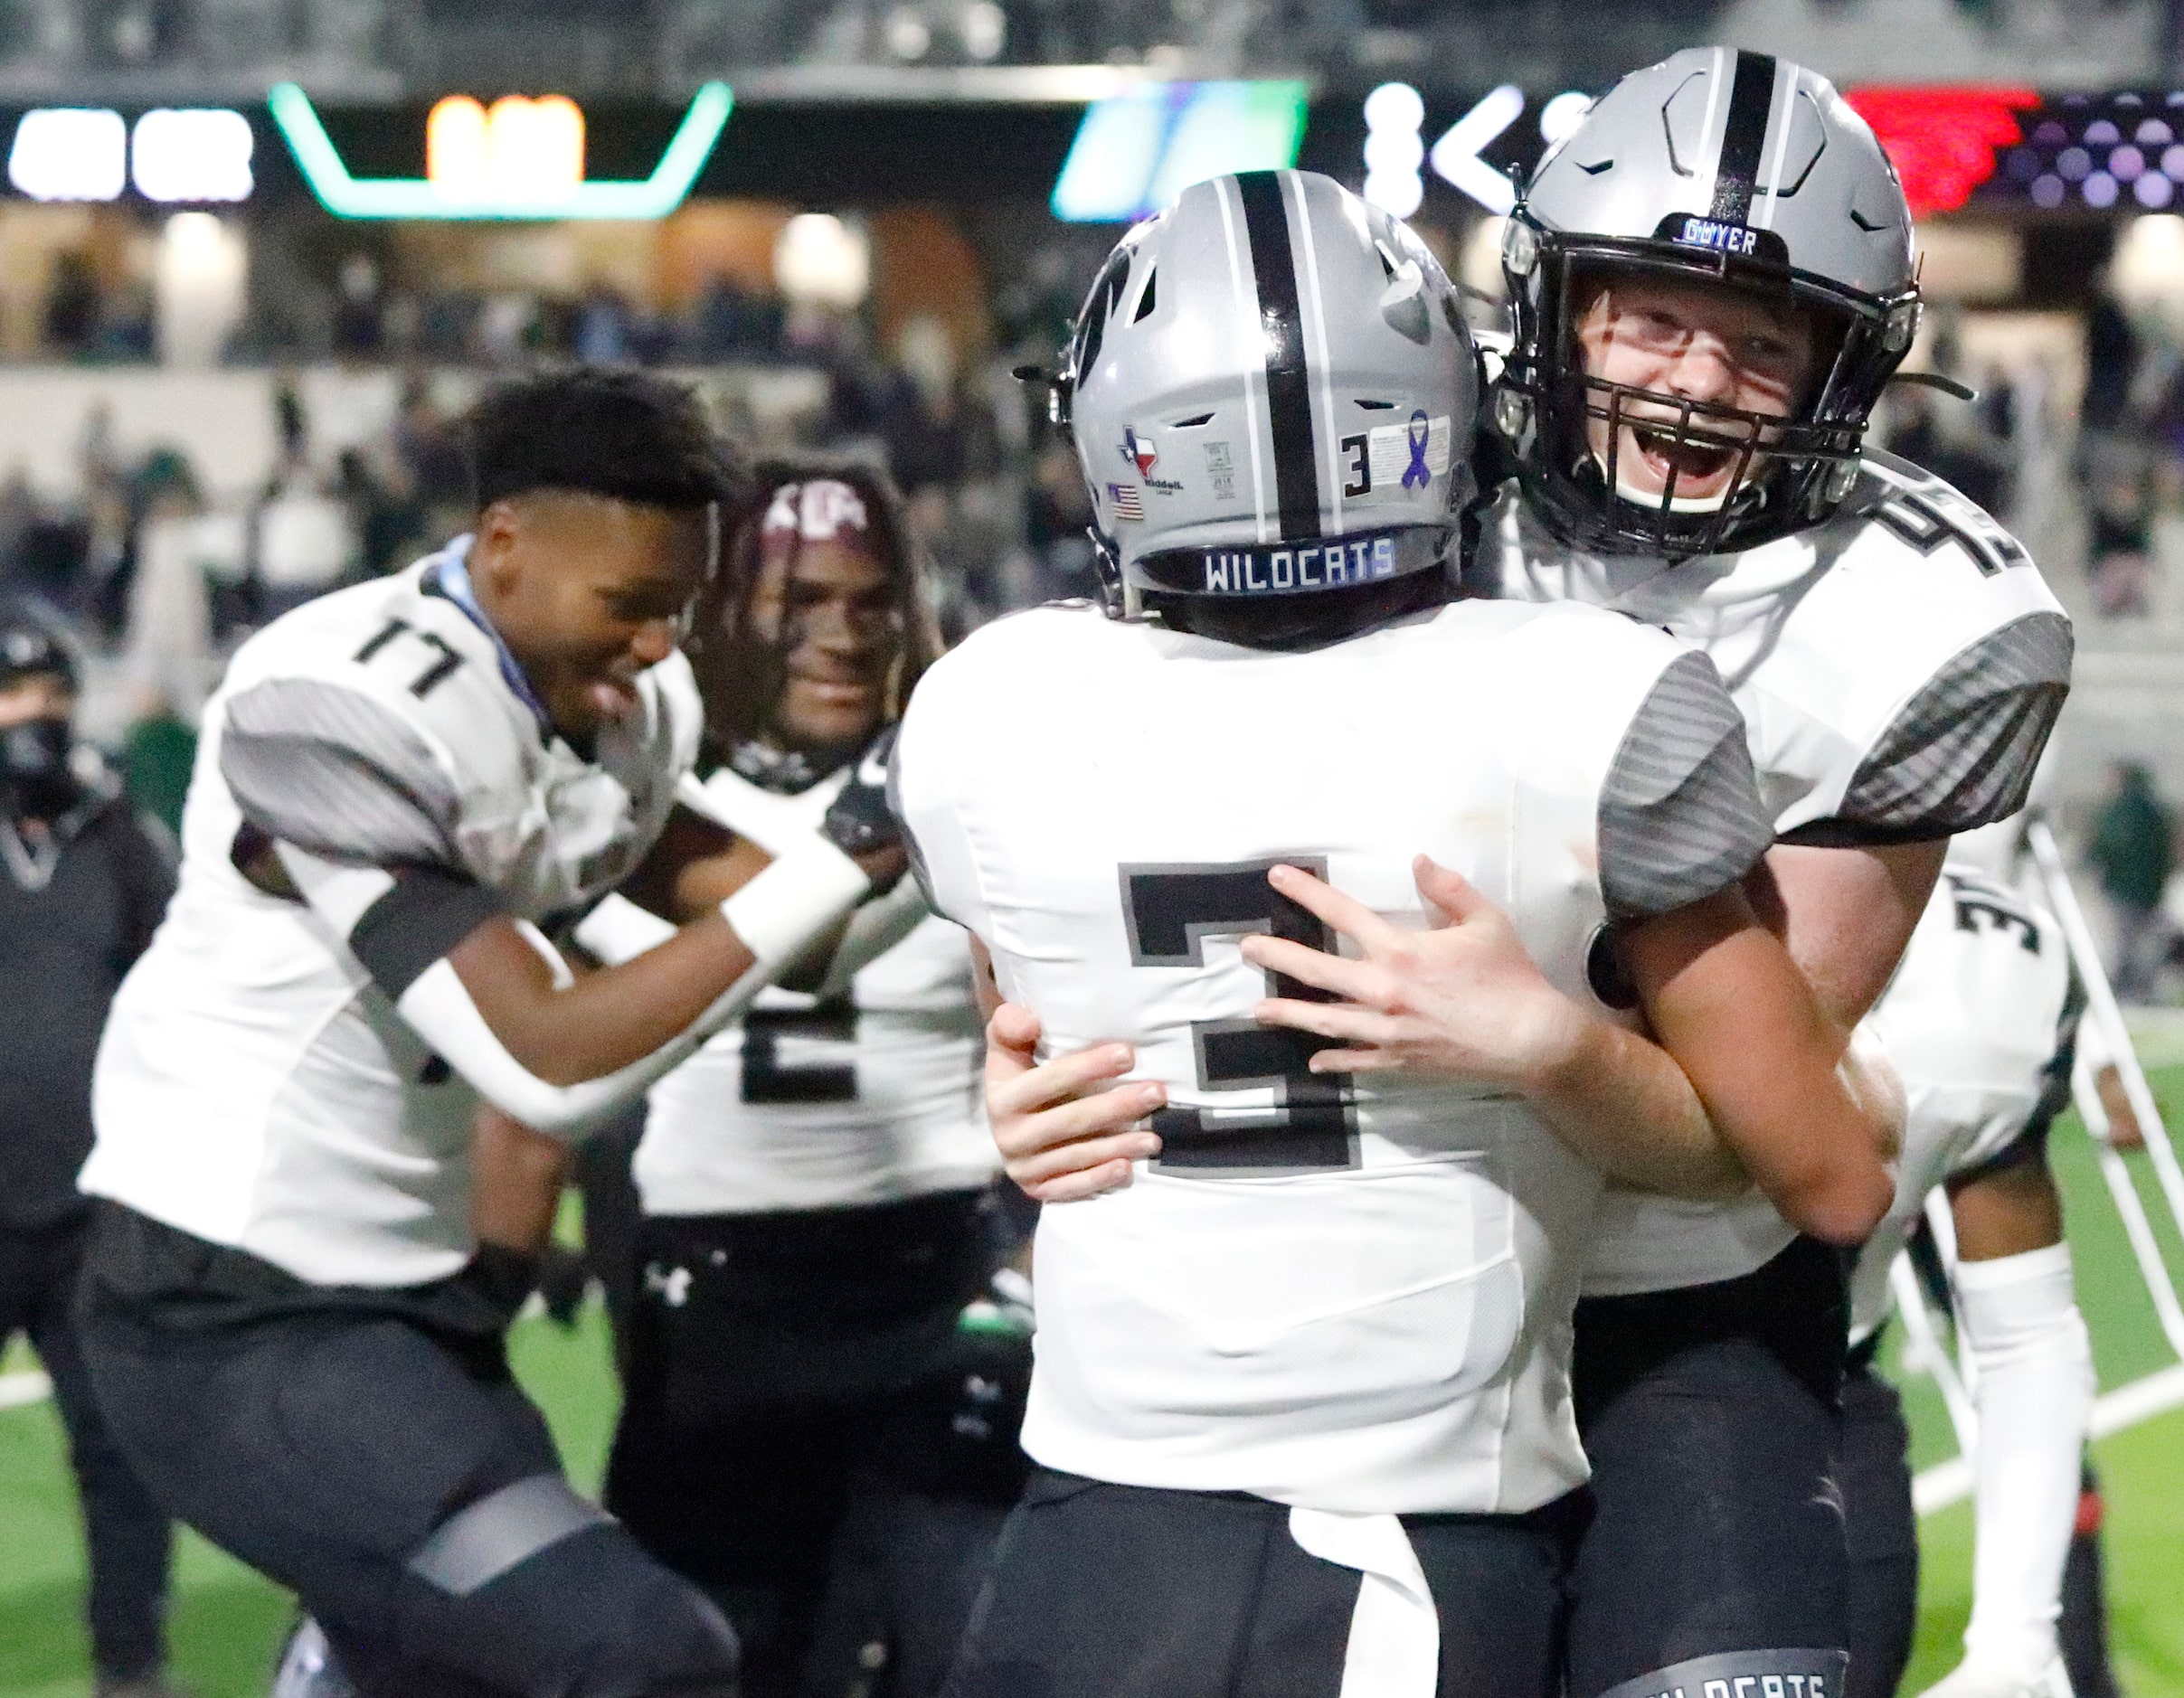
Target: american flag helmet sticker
(1129,500)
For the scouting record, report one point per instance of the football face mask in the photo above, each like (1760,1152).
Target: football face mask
(1683,389)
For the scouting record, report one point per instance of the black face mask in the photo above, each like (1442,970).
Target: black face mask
(35,777)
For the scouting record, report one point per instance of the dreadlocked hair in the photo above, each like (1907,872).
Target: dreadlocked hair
(740,672)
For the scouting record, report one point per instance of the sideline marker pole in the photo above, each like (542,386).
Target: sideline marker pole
(2101,1007)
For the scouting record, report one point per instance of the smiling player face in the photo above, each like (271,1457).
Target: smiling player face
(587,592)
(830,607)
(1689,340)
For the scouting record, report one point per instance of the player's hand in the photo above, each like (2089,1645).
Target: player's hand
(1463,999)
(2124,1129)
(1065,1133)
(1975,1679)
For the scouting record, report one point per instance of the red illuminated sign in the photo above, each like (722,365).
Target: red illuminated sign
(1942,141)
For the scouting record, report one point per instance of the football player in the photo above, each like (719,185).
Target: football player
(1978,1023)
(815,1182)
(1712,280)
(1301,1401)
(288,1327)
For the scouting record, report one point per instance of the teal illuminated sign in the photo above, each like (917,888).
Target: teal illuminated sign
(1135,152)
(436,196)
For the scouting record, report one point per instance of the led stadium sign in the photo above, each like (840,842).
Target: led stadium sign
(1135,152)
(1942,141)
(519,158)
(191,153)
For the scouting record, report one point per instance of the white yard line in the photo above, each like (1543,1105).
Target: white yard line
(29,1386)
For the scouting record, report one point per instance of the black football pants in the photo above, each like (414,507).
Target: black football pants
(1873,1468)
(1717,1549)
(1124,1592)
(402,1486)
(791,1440)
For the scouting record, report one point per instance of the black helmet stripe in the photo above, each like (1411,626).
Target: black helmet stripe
(1288,399)
(1744,136)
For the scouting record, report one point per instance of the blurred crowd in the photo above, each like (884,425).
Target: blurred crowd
(163,577)
(91,315)
(2131,448)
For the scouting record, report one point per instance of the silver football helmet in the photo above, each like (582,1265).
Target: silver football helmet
(1271,394)
(1747,171)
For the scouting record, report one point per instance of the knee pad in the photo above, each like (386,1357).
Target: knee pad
(1798,1674)
(532,1590)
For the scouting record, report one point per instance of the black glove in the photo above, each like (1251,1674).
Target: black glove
(860,822)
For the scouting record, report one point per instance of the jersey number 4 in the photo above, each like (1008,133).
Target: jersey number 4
(436,672)
(1170,911)
(1936,515)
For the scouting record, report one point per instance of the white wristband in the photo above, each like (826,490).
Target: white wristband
(780,913)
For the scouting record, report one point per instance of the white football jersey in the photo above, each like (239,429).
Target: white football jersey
(869,1097)
(1344,1297)
(1898,668)
(1978,1022)
(255,1087)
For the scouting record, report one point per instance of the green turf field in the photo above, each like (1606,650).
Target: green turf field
(228,1622)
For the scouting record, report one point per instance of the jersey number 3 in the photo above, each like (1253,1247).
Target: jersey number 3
(1170,911)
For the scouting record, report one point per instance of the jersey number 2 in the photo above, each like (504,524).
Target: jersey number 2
(767,1080)
(1170,911)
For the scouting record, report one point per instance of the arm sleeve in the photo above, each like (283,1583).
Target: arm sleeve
(1681,816)
(333,772)
(401,925)
(1961,752)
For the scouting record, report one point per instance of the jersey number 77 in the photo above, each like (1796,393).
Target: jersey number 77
(1170,909)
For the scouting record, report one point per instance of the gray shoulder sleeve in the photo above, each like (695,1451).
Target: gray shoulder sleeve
(1961,752)
(1679,814)
(331,772)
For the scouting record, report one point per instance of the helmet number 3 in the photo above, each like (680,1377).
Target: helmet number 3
(1169,912)
(1357,464)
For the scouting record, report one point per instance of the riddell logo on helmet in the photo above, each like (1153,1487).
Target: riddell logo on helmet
(1139,451)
